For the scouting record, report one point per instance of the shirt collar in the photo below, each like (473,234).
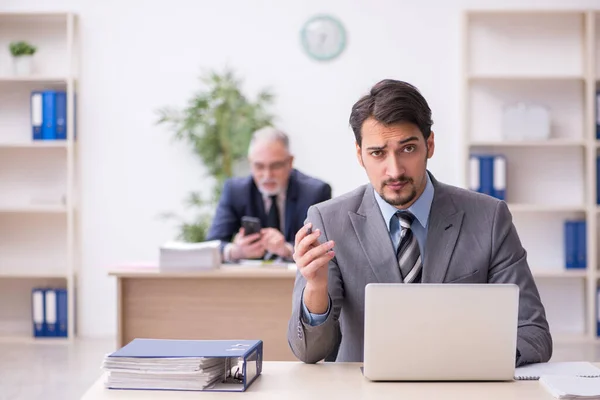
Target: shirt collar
(420,208)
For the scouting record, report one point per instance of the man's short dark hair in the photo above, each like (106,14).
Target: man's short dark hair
(392,102)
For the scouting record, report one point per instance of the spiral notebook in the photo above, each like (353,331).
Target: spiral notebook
(570,368)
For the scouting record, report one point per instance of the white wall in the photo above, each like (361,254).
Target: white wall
(139,55)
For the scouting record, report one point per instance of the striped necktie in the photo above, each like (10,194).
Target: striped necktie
(408,253)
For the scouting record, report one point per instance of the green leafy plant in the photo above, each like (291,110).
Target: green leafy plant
(217,123)
(22,48)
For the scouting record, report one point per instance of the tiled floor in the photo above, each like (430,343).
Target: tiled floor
(65,372)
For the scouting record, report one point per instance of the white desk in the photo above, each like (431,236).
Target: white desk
(295,380)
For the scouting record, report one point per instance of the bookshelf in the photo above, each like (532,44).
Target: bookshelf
(38,178)
(550,58)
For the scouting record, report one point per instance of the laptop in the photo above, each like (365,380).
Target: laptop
(440,332)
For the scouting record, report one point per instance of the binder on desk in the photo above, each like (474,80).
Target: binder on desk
(187,365)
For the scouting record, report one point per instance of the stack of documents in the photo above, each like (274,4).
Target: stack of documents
(564,380)
(568,368)
(571,387)
(194,373)
(190,256)
(193,365)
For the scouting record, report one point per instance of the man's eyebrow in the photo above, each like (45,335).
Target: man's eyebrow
(377,147)
(410,139)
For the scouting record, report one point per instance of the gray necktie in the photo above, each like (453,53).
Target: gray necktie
(408,253)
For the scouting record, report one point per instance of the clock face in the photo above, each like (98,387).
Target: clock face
(323,37)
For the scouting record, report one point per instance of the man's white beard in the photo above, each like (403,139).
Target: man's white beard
(266,192)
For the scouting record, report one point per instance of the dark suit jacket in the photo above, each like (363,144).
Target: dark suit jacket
(240,197)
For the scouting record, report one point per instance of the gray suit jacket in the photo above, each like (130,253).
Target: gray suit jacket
(470,239)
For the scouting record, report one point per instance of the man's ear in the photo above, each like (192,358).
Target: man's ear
(359,155)
(430,145)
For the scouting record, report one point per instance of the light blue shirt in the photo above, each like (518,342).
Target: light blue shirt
(420,209)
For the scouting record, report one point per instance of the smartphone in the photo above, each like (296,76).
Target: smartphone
(251,225)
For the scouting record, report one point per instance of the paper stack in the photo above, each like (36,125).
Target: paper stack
(194,373)
(571,387)
(190,256)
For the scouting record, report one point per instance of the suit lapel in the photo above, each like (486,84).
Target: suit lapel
(290,206)
(443,228)
(374,239)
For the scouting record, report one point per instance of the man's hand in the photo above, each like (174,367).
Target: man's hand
(274,242)
(312,260)
(250,246)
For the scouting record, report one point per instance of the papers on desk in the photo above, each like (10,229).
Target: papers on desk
(190,256)
(564,380)
(575,368)
(571,387)
(194,373)
(224,365)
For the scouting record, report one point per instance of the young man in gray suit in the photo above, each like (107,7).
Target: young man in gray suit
(404,226)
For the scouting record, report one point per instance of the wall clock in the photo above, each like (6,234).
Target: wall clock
(323,37)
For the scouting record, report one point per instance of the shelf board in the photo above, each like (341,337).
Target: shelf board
(41,144)
(529,143)
(559,273)
(33,209)
(34,274)
(546,208)
(34,79)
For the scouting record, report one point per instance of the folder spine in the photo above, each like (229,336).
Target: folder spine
(62,320)
(499,181)
(36,115)
(570,236)
(38,311)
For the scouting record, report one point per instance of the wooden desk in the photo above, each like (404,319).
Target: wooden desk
(233,302)
(295,380)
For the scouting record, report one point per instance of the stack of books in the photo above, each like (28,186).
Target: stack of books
(190,256)
(187,365)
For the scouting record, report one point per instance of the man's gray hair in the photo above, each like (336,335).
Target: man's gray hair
(267,134)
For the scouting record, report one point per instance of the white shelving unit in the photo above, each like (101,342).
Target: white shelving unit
(38,201)
(550,58)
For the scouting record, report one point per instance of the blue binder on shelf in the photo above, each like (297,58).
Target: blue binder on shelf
(597,114)
(61,115)
(575,244)
(581,240)
(50,305)
(36,116)
(488,175)
(245,354)
(597,179)
(49,115)
(499,180)
(598,311)
(38,311)
(62,321)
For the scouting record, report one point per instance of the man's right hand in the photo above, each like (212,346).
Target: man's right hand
(247,246)
(312,260)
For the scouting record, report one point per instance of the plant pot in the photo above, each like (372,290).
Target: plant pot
(23,65)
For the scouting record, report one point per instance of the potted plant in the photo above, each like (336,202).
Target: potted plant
(218,123)
(22,53)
